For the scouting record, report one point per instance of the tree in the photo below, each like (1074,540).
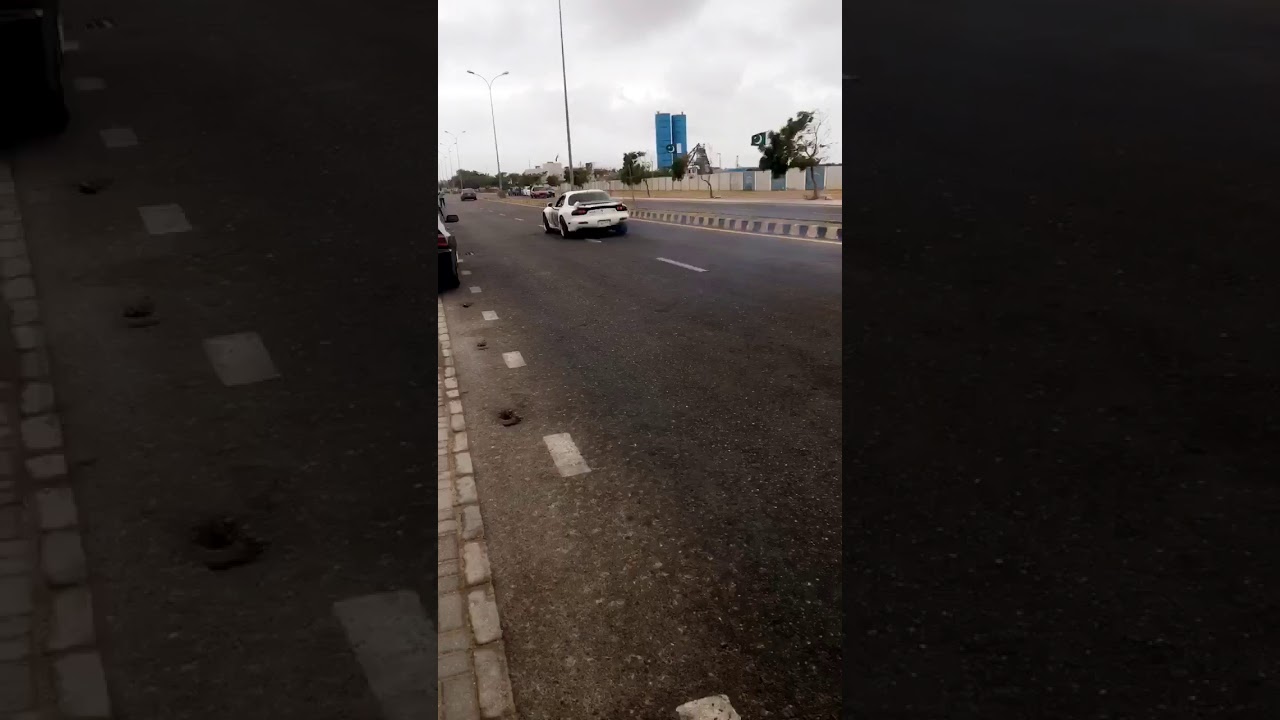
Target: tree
(679,166)
(633,172)
(800,143)
(553,180)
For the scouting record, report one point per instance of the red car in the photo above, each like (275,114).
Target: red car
(542,191)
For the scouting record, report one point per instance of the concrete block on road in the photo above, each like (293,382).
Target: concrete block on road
(14,558)
(15,596)
(15,687)
(459,698)
(25,312)
(15,267)
(493,683)
(42,432)
(467,490)
(446,548)
(452,664)
(37,398)
(62,557)
(28,337)
(35,364)
(47,467)
(21,288)
(455,641)
(472,524)
(451,612)
(462,461)
(456,423)
(72,619)
(483,609)
(460,442)
(56,508)
(475,563)
(81,686)
(10,522)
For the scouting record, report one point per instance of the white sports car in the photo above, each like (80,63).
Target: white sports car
(585,210)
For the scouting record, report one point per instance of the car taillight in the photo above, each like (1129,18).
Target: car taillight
(623,208)
(441,240)
(579,211)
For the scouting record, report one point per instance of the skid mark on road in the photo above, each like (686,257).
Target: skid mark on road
(680,264)
(565,455)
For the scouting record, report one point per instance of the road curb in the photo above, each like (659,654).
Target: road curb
(760,226)
(473,676)
(55,667)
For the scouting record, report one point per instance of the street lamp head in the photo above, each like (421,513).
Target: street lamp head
(472,73)
(504,72)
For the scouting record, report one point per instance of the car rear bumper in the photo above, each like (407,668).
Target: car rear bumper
(597,221)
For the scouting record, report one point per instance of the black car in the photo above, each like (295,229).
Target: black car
(446,253)
(468,194)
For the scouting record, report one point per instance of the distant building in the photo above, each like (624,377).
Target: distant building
(546,170)
(669,130)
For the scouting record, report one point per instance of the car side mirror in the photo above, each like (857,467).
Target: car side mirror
(550,204)
(451,218)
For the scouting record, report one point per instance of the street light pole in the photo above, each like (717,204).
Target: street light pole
(448,159)
(458,154)
(564,76)
(494,120)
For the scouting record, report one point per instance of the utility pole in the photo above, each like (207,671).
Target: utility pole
(493,119)
(458,154)
(564,76)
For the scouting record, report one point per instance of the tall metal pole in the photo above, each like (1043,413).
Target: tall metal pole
(448,159)
(493,119)
(564,76)
(458,154)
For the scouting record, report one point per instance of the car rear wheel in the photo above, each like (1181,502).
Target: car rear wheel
(449,273)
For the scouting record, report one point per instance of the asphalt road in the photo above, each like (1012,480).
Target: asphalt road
(700,554)
(1063,390)
(301,173)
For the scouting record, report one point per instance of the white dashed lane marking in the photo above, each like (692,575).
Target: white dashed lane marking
(513,360)
(119,137)
(164,219)
(465,272)
(565,455)
(592,240)
(680,264)
(489,315)
(393,639)
(240,359)
(475,288)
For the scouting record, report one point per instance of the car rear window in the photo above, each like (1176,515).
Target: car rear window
(591,196)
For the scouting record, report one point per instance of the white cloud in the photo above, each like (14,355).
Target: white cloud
(734,67)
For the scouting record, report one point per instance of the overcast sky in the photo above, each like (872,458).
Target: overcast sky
(734,67)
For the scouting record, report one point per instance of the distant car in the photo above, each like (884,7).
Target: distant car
(580,210)
(541,191)
(446,252)
(468,194)
(526,190)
